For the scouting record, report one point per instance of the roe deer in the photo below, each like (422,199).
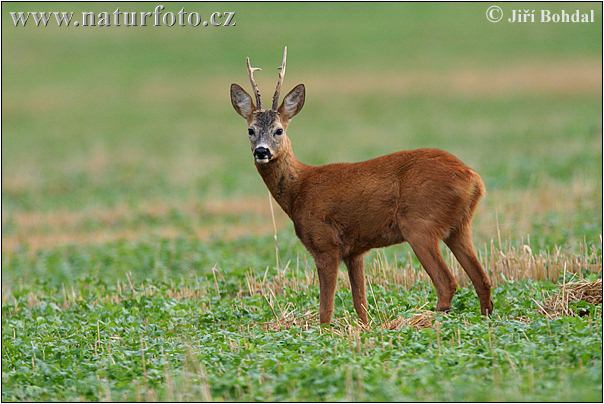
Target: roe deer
(340,211)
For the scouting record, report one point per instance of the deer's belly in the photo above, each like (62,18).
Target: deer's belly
(368,235)
(353,220)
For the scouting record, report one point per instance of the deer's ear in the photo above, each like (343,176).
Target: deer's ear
(242,102)
(293,102)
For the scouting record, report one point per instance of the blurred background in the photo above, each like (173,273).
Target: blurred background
(139,260)
(127,133)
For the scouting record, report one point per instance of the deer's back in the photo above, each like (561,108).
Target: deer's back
(377,202)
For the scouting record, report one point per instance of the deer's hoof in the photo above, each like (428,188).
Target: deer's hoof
(487,310)
(444,309)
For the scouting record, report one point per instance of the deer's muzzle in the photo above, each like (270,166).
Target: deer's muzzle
(262,154)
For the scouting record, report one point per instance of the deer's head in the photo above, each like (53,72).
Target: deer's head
(267,127)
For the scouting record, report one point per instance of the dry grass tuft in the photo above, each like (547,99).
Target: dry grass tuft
(558,304)
(522,319)
(591,292)
(425,319)
(288,319)
(275,285)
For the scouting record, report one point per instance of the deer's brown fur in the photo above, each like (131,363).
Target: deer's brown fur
(340,211)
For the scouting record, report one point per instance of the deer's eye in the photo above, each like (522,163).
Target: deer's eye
(250,131)
(279,132)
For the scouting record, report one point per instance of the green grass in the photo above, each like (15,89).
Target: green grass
(133,219)
(80,331)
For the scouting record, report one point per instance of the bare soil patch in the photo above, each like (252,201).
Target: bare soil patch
(575,77)
(40,230)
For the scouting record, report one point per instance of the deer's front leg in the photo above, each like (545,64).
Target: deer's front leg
(356,273)
(327,267)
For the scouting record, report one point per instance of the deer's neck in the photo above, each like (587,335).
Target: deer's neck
(282,178)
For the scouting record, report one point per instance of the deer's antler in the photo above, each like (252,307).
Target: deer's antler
(280,81)
(250,71)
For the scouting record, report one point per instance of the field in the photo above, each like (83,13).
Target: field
(140,257)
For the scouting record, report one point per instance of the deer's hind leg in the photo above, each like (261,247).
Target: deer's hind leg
(425,247)
(460,243)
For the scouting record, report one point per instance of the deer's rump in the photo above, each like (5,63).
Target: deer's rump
(379,202)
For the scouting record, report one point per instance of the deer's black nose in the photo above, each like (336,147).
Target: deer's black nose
(262,153)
